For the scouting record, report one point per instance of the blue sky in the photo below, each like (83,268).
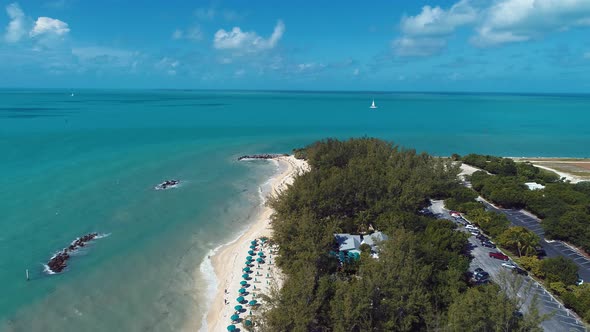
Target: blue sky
(418,45)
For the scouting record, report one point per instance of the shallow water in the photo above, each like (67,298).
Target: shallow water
(74,165)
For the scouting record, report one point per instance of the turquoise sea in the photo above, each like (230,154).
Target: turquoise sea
(77,164)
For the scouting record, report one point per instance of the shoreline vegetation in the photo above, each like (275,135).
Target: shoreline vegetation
(420,279)
(356,186)
(227,262)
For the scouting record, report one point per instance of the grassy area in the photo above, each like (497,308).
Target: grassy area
(578,167)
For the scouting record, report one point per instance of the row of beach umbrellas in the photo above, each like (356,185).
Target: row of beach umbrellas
(246,276)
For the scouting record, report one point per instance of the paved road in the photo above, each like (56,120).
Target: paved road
(561,320)
(553,248)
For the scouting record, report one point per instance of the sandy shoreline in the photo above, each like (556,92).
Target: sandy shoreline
(229,259)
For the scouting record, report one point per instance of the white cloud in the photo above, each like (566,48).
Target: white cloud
(168,65)
(509,21)
(236,39)
(435,21)
(49,26)
(44,29)
(205,14)
(17,27)
(418,47)
(426,33)
(194,34)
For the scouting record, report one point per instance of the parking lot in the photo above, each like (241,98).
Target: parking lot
(552,248)
(561,319)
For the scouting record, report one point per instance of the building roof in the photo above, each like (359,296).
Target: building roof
(348,241)
(374,239)
(534,185)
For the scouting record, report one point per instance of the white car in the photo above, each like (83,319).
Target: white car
(471,227)
(509,265)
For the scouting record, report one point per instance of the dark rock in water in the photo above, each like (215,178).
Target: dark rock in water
(167,184)
(59,261)
(263,156)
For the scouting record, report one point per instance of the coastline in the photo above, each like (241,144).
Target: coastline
(226,260)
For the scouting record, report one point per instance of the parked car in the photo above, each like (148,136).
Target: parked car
(520,271)
(509,265)
(483,275)
(482,237)
(580,282)
(498,255)
(471,227)
(488,244)
(474,232)
(478,270)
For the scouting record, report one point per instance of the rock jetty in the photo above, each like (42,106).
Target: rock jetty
(59,261)
(263,156)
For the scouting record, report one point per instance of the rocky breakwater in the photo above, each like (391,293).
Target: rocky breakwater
(59,261)
(263,156)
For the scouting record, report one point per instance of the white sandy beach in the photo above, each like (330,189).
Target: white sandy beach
(229,259)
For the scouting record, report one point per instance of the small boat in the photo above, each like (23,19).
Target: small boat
(72,94)
(373,104)
(167,184)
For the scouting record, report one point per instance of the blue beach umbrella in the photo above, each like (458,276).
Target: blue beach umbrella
(253,242)
(238,307)
(235,317)
(245,276)
(252,247)
(251,252)
(247,322)
(260,254)
(247,269)
(231,328)
(240,299)
(260,260)
(248,263)
(243,282)
(249,258)
(242,290)
(253,302)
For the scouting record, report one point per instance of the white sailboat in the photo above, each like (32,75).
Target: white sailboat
(373,104)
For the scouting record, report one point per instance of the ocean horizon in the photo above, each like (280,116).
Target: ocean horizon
(88,162)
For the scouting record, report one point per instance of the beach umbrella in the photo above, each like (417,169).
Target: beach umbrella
(253,242)
(245,276)
(247,269)
(249,258)
(251,252)
(254,286)
(238,307)
(260,253)
(260,260)
(240,299)
(243,282)
(253,302)
(242,290)
(235,317)
(252,247)
(247,322)
(231,328)
(248,262)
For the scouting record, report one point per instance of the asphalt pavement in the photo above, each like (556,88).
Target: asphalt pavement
(560,319)
(552,248)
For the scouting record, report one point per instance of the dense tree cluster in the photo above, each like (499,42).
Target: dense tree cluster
(418,282)
(565,207)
